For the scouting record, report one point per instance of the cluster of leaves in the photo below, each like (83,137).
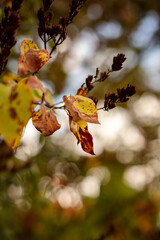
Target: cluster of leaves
(20,95)
(8,30)
(47,30)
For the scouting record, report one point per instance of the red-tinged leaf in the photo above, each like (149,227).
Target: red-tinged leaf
(80,130)
(45,121)
(85,137)
(81,92)
(81,107)
(31,58)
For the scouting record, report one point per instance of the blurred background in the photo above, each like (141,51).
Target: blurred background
(51,189)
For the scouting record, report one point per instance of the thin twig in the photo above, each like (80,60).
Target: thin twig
(56,44)
(101,108)
(51,106)
(45,46)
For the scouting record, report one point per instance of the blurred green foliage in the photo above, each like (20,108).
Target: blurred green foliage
(54,193)
(29,210)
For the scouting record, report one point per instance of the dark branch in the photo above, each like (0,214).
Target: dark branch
(47,30)
(8,31)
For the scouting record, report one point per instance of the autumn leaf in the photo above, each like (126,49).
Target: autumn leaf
(48,97)
(73,127)
(81,110)
(80,130)
(36,87)
(45,121)
(81,107)
(37,95)
(15,111)
(33,82)
(38,90)
(72,112)
(31,58)
(10,78)
(85,137)
(26,45)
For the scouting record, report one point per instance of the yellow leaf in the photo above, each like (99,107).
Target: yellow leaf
(48,97)
(15,111)
(83,106)
(37,95)
(10,78)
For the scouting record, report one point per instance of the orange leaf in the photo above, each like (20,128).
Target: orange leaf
(31,58)
(45,121)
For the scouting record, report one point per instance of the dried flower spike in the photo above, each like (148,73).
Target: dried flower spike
(118,61)
(122,95)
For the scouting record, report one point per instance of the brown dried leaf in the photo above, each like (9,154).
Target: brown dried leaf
(45,121)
